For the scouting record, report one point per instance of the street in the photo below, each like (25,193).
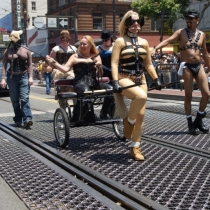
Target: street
(39,101)
(175,165)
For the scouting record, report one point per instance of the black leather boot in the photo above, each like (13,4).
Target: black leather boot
(198,123)
(106,106)
(192,129)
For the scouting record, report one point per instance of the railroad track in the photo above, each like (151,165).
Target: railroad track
(174,175)
(120,195)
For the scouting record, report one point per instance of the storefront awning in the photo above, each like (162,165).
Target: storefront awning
(39,50)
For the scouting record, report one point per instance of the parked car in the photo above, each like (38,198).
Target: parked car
(4,92)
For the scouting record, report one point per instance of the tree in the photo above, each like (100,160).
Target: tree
(161,9)
(171,10)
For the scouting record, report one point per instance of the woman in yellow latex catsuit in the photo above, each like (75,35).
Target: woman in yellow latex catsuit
(130,53)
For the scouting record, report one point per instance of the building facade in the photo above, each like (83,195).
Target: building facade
(24,12)
(80,17)
(204,24)
(90,17)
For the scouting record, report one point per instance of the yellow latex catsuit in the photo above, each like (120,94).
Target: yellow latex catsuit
(124,54)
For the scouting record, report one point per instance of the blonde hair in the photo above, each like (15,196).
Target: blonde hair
(122,26)
(15,35)
(93,49)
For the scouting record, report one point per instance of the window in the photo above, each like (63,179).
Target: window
(97,21)
(155,25)
(33,21)
(61,2)
(33,6)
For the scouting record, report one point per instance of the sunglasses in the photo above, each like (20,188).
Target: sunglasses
(105,40)
(134,21)
(129,21)
(64,37)
(189,18)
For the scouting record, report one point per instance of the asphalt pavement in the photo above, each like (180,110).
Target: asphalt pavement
(10,201)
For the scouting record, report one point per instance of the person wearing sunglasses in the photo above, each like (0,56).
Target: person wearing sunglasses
(105,52)
(192,43)
(61,53)
(130,53)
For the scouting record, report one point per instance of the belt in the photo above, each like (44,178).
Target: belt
(133,77)
(128,74)
(17,73)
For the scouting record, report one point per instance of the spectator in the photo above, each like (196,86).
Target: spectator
(47,77)
(61,53)
(105,52)
(40,69)
(19,79)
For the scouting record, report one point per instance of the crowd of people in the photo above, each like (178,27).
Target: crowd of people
(166,66)
(126,61)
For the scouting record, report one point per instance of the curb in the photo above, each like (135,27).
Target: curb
(172,97)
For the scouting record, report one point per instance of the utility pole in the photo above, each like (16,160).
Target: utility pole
(162,29)
(114,15)
(76,27)
(25,19)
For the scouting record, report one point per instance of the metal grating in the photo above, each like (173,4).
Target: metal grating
(174,179)
(177,108)
(173,127)
(38,185)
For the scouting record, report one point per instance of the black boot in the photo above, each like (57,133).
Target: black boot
(198,123)
(106,106)
(192,129)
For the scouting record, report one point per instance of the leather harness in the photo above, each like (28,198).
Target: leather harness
(193,45)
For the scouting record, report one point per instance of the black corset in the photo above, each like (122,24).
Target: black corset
(62,57)
(85,73)
(18,65)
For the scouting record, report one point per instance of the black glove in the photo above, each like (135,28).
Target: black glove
(158,85)
(116,86)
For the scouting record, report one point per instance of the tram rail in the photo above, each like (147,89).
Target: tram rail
(117,192)
(174,175)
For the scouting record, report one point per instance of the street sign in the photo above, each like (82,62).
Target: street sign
(6,38)
(38,22)
(63,22)
(52,22)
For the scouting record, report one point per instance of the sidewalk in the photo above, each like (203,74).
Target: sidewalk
(169,94)
(173,94)
(8,198)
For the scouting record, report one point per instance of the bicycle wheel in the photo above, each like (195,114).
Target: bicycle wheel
(61,127)
(117,126)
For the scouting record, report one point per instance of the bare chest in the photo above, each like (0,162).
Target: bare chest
(191,40)
(19,53)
